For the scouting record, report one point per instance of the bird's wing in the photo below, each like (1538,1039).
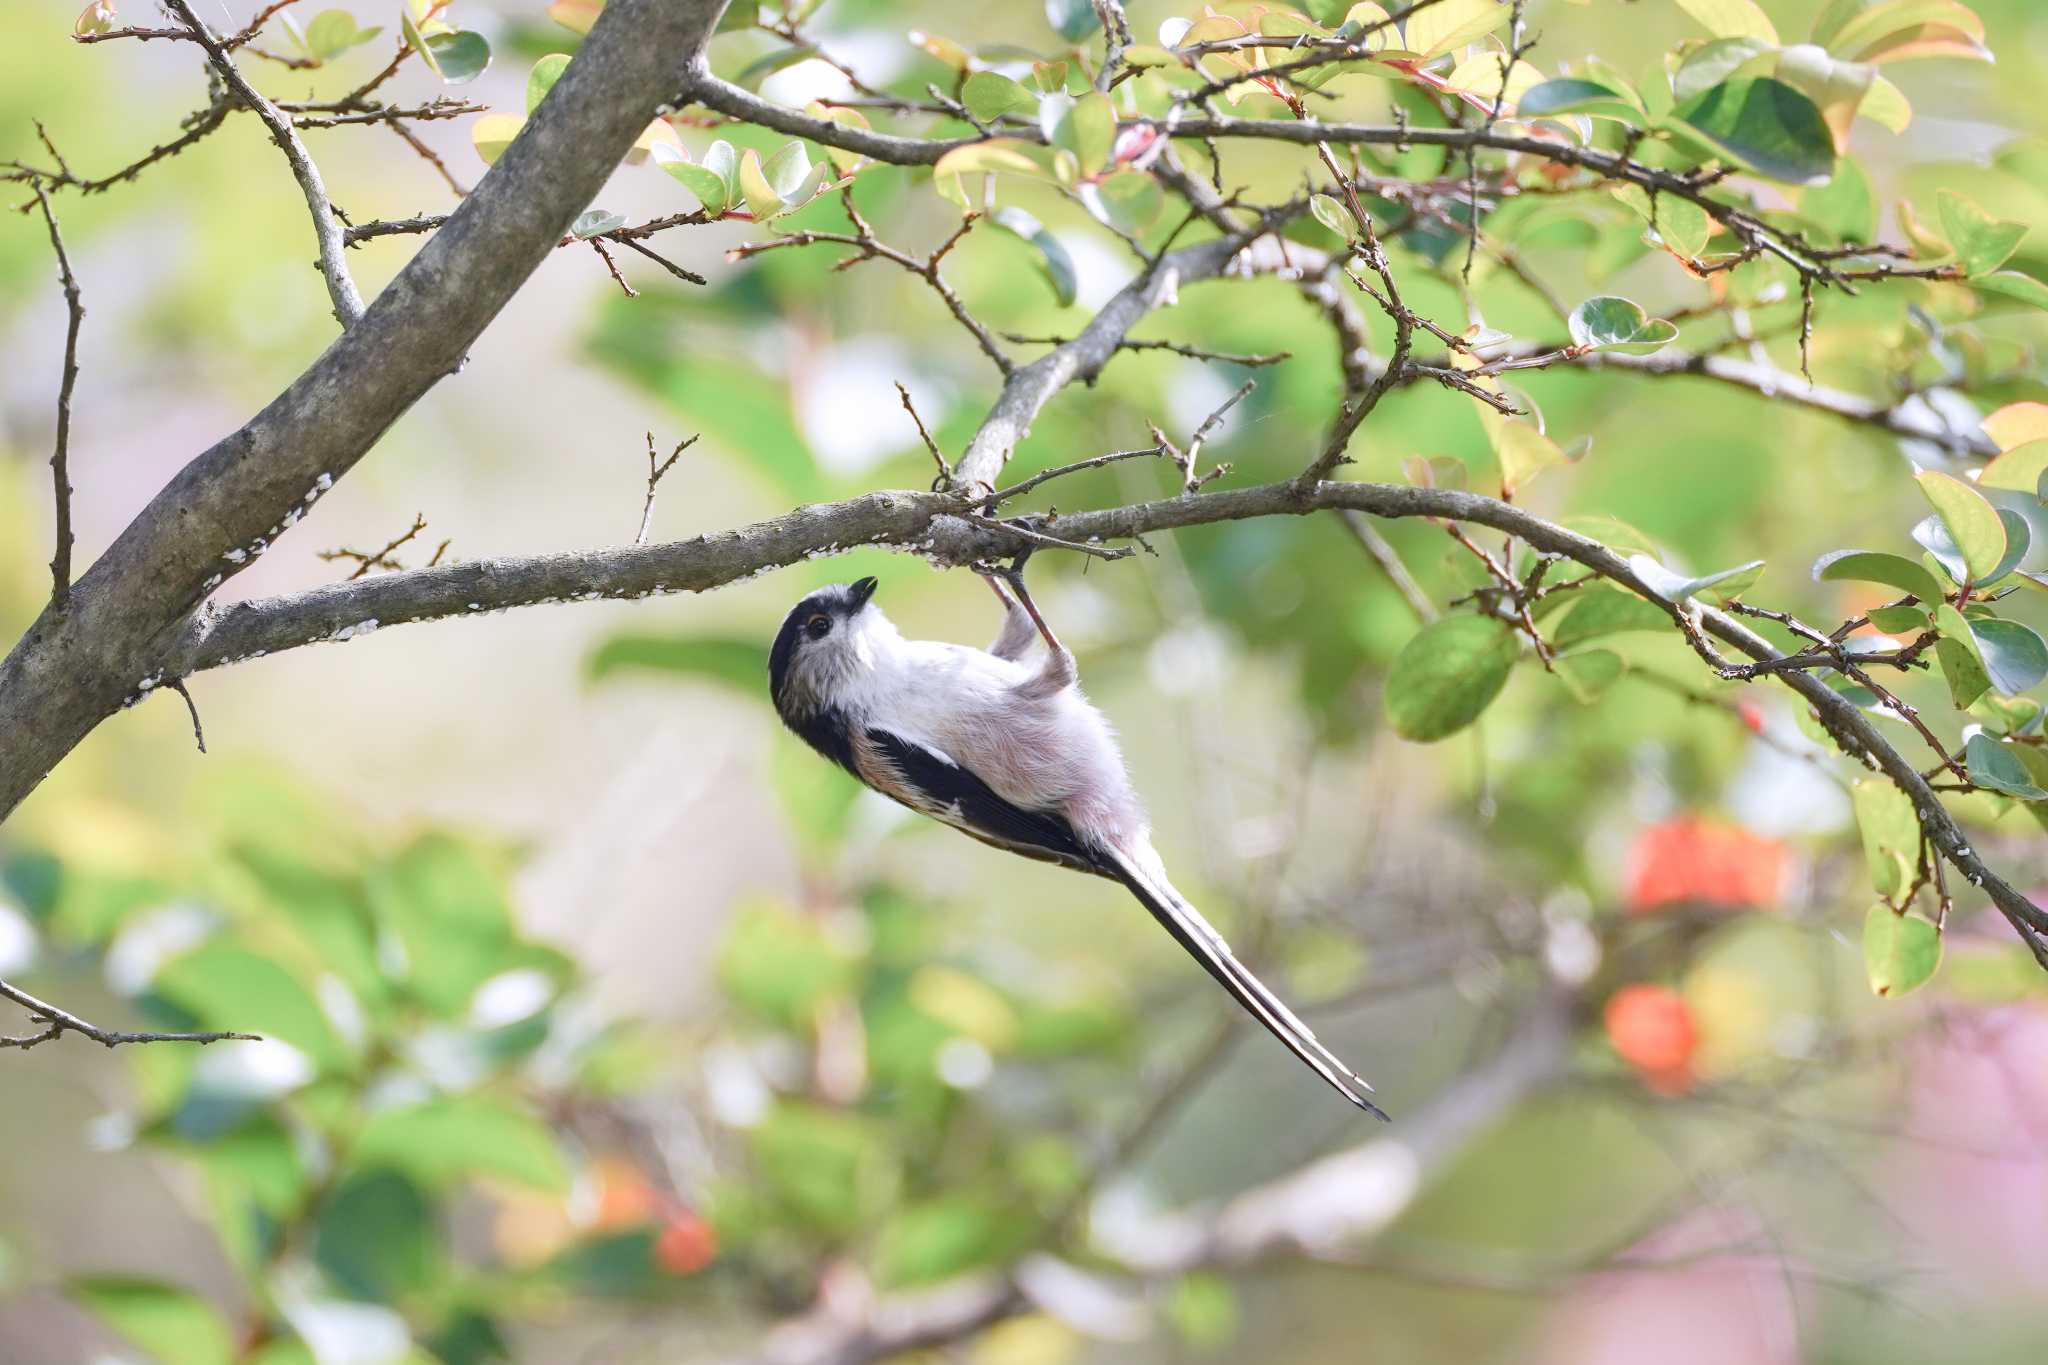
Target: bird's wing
(932,783)
(1201,940)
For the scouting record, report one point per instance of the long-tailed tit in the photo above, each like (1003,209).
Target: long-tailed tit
(1005,751)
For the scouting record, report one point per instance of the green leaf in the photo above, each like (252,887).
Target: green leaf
(1571,95)
(989,95)
(1609,323)
(1765,125)
(1680,224)
(333,32)
(786,170)
(1890,829)
(1961,665)
(445,908)
(1900,952)
(2014,657)
(1086,127)
(1448,674)
(1904,620)
(1731,19)
(226,986)
(2020,468)
(2012,284)
(1875,566)
(174,1325)
(460,57)
(1982,242)
(831,1169)
(760,197)
(707,184)
(542,79)
(937,1239)
(1970,519)
(1052,258)
(595,223)
(1711,63)
(1607,611)
(1073,20)
(417,40)
(448,1140)
(1448,24)
(1992,765)
(378,1238)
(1129,201)
(493,133)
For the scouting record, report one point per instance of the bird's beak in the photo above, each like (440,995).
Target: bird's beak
(862,591)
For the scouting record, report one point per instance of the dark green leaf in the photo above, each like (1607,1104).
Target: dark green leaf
(461,56)
(377,1237)
(1993,765)
(1573,96)
(1608,323)
(2014,657)
(1765,125)
(1906,620)
(1448,674)
(1073,20)
(1875,566)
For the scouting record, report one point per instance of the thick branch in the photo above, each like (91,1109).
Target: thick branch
(943,528)
(223,509)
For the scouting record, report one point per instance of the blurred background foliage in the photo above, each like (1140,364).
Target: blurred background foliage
(605,1023)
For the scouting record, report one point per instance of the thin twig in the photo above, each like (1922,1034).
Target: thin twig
(60,456)
(945,476)
(58,1022)
(654,475)
(198,734)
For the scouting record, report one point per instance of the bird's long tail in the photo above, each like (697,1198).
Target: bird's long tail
(1194,933)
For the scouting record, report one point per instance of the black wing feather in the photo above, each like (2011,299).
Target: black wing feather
(946,791)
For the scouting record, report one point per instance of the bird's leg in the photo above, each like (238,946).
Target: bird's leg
(1058,671)
(1017,632)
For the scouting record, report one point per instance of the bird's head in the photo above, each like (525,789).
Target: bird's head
(826,643)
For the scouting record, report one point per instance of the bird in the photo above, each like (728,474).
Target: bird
(1007,750)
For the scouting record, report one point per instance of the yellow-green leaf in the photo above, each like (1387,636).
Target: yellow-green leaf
(1900,952)
(1972,522)
(1731,19)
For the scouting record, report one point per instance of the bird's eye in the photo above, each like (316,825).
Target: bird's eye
(818,626)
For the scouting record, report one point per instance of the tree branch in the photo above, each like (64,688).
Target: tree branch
(71,670)
(60,456)
(57,1023)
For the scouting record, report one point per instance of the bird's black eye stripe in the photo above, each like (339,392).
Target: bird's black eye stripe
(818,626)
